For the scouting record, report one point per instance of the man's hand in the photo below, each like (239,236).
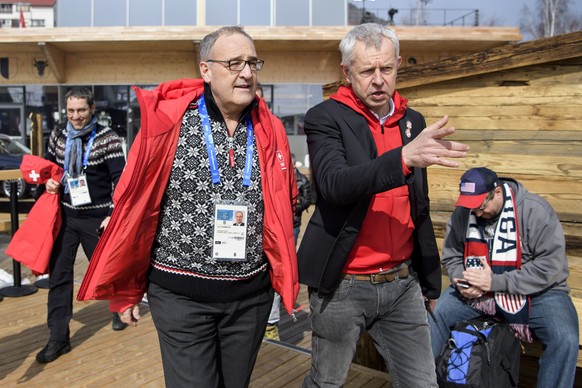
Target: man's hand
(105,222)
(428,148)
(430,304)
(467,290)
(480,278)
(52,186)
(471,292)
(131,315)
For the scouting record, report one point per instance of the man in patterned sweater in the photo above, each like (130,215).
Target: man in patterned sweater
(206,150)
(92,159)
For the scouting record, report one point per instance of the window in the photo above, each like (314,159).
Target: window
(180,13)
(145,12)
(12,94)
(293,13)
(44,100)
(5,8)
(255,12)
(109,13)
(134,116)
(74,13)
(292,101)
(327,13)
(221,13)
(111,105)
(37,23)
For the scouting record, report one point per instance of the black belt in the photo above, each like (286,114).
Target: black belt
(377,278)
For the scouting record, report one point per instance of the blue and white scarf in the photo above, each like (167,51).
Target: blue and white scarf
(74,158)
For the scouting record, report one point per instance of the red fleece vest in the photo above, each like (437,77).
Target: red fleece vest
(385,239)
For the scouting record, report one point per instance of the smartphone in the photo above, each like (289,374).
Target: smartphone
(463,284)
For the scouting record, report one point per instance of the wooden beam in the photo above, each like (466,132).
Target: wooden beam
(56,60)
(505,57)
(196,69)
(6,175)
(36,140)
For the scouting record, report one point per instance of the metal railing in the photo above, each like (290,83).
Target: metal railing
(415,16)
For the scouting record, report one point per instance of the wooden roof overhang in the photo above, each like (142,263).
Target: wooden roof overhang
(56,43)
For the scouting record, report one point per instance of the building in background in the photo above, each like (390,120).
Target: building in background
(109,45)
(27,14)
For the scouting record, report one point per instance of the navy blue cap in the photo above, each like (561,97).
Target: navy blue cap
(476,183)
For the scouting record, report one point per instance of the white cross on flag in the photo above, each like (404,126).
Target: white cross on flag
(34,175)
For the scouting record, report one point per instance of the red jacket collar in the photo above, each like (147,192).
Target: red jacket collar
(346,96)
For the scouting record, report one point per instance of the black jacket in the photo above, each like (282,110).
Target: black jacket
(303,197)
(347,171)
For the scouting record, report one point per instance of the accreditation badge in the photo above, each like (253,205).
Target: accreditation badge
(230,232)
(79,190)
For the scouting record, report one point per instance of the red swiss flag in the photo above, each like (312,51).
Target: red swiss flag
(22,23)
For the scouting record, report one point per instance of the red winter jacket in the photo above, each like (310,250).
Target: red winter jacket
(118,267)
(33,242)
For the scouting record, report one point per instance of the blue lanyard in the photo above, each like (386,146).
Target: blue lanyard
(87,151)
(212,151)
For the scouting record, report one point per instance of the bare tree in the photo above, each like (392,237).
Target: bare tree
(420,4)
(417,14)
(491,21)
(552,17)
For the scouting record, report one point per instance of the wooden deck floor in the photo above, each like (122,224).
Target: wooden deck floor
(102,357)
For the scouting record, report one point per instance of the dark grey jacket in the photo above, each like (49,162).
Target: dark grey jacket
(544,263)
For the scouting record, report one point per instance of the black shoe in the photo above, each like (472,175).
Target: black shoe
(52,351)
(116,323)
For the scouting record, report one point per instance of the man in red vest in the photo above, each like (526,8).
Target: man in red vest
(369,254)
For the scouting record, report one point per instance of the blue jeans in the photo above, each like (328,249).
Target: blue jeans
(395,317)
(553,320)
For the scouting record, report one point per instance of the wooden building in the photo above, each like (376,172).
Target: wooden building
(519,108)
(42,63)
(138,55)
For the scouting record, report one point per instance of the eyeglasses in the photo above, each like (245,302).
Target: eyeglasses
(486,202)
(239,64)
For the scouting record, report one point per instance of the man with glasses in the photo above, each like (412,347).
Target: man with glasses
(207,150)
(505,253)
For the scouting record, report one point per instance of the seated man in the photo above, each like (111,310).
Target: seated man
(505,244)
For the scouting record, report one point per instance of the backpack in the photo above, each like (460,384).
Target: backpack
(481,352)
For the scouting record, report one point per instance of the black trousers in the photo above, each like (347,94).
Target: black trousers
(74,231)
(210,345)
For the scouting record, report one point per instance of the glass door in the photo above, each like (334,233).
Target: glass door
(12,120)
